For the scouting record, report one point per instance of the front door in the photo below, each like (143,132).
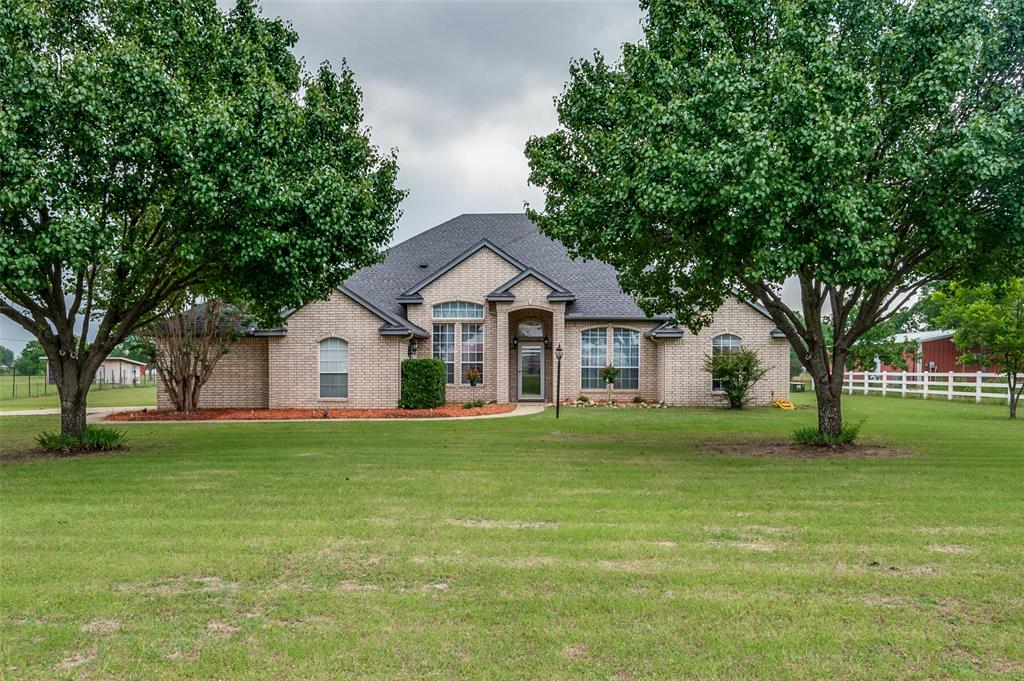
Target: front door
(531,371)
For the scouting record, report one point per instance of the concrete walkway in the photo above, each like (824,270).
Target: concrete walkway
(91,411)
(100,416)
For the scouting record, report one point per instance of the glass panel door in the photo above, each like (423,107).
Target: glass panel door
(531,371)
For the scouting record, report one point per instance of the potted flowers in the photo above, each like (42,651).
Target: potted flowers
(473,377)
(609,373)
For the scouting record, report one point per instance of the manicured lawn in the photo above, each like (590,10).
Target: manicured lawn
(609,544)
(129,396)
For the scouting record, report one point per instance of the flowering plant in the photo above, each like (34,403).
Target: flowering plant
(609,373)
(473,376)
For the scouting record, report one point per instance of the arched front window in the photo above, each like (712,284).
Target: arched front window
(724,343)
(626,344)
(531,328)
(458,309)
(333,368)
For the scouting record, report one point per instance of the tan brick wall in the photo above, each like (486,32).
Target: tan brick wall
(650,372)
(239,381)
(687,383)
(470,281)
(374,369)
(284,371)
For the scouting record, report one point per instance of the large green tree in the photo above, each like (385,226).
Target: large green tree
(30,361)
(6,357)
(988,320)
(865,149)
(153,148)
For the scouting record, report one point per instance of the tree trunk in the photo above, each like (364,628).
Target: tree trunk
(72,406)
(1011,381)
(830,412)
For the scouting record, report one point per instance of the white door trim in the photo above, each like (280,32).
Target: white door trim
(519,370)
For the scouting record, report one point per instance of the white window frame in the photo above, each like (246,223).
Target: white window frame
(602,334)
(722,343)
(464,364)
(617,332)
(444,332)
(457,309)
(337,365)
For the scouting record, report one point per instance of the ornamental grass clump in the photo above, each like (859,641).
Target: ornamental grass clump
(93,439)
(811,436)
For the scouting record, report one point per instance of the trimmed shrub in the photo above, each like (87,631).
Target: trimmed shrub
(422,384)
(737,372)
(811,436)
(473,404)
(94,439)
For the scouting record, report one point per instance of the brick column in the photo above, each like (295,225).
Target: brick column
(558,325)
(501,352)
(558,338)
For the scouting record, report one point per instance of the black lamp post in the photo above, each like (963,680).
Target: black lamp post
(558,381)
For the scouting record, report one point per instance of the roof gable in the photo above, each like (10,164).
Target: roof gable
(413,296)
(558,292)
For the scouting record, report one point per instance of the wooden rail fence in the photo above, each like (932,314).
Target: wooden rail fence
(979,385)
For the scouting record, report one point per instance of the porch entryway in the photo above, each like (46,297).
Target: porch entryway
(529,354)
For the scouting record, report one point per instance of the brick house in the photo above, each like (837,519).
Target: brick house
(486,292)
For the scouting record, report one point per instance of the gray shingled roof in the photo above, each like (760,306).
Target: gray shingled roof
(594,283)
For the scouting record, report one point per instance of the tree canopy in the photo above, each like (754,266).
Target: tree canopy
(153,148)
(988,320)
(30,361)
(6,357)
(866,149)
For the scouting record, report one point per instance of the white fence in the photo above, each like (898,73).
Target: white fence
(978,385)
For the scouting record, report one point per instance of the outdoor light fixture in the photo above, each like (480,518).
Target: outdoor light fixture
(413,347)
(558,382)
(514,343)
(547,342)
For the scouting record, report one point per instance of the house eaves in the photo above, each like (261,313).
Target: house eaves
(665,330)
(614,318)
(393,326)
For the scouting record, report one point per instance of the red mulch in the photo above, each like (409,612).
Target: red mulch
(447,411)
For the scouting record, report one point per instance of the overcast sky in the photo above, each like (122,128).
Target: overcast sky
(458,87)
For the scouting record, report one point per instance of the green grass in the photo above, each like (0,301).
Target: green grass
(609,544)
(14,387)
(128,396)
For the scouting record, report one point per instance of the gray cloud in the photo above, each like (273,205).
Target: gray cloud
(458,87)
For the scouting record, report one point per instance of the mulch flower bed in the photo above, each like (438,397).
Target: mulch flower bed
(615,404)
(447,411)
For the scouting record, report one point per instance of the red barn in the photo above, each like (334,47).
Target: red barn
(935,353)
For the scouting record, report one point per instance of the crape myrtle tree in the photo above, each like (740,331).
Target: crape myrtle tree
(154,147)
(865,149)
(186,345)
